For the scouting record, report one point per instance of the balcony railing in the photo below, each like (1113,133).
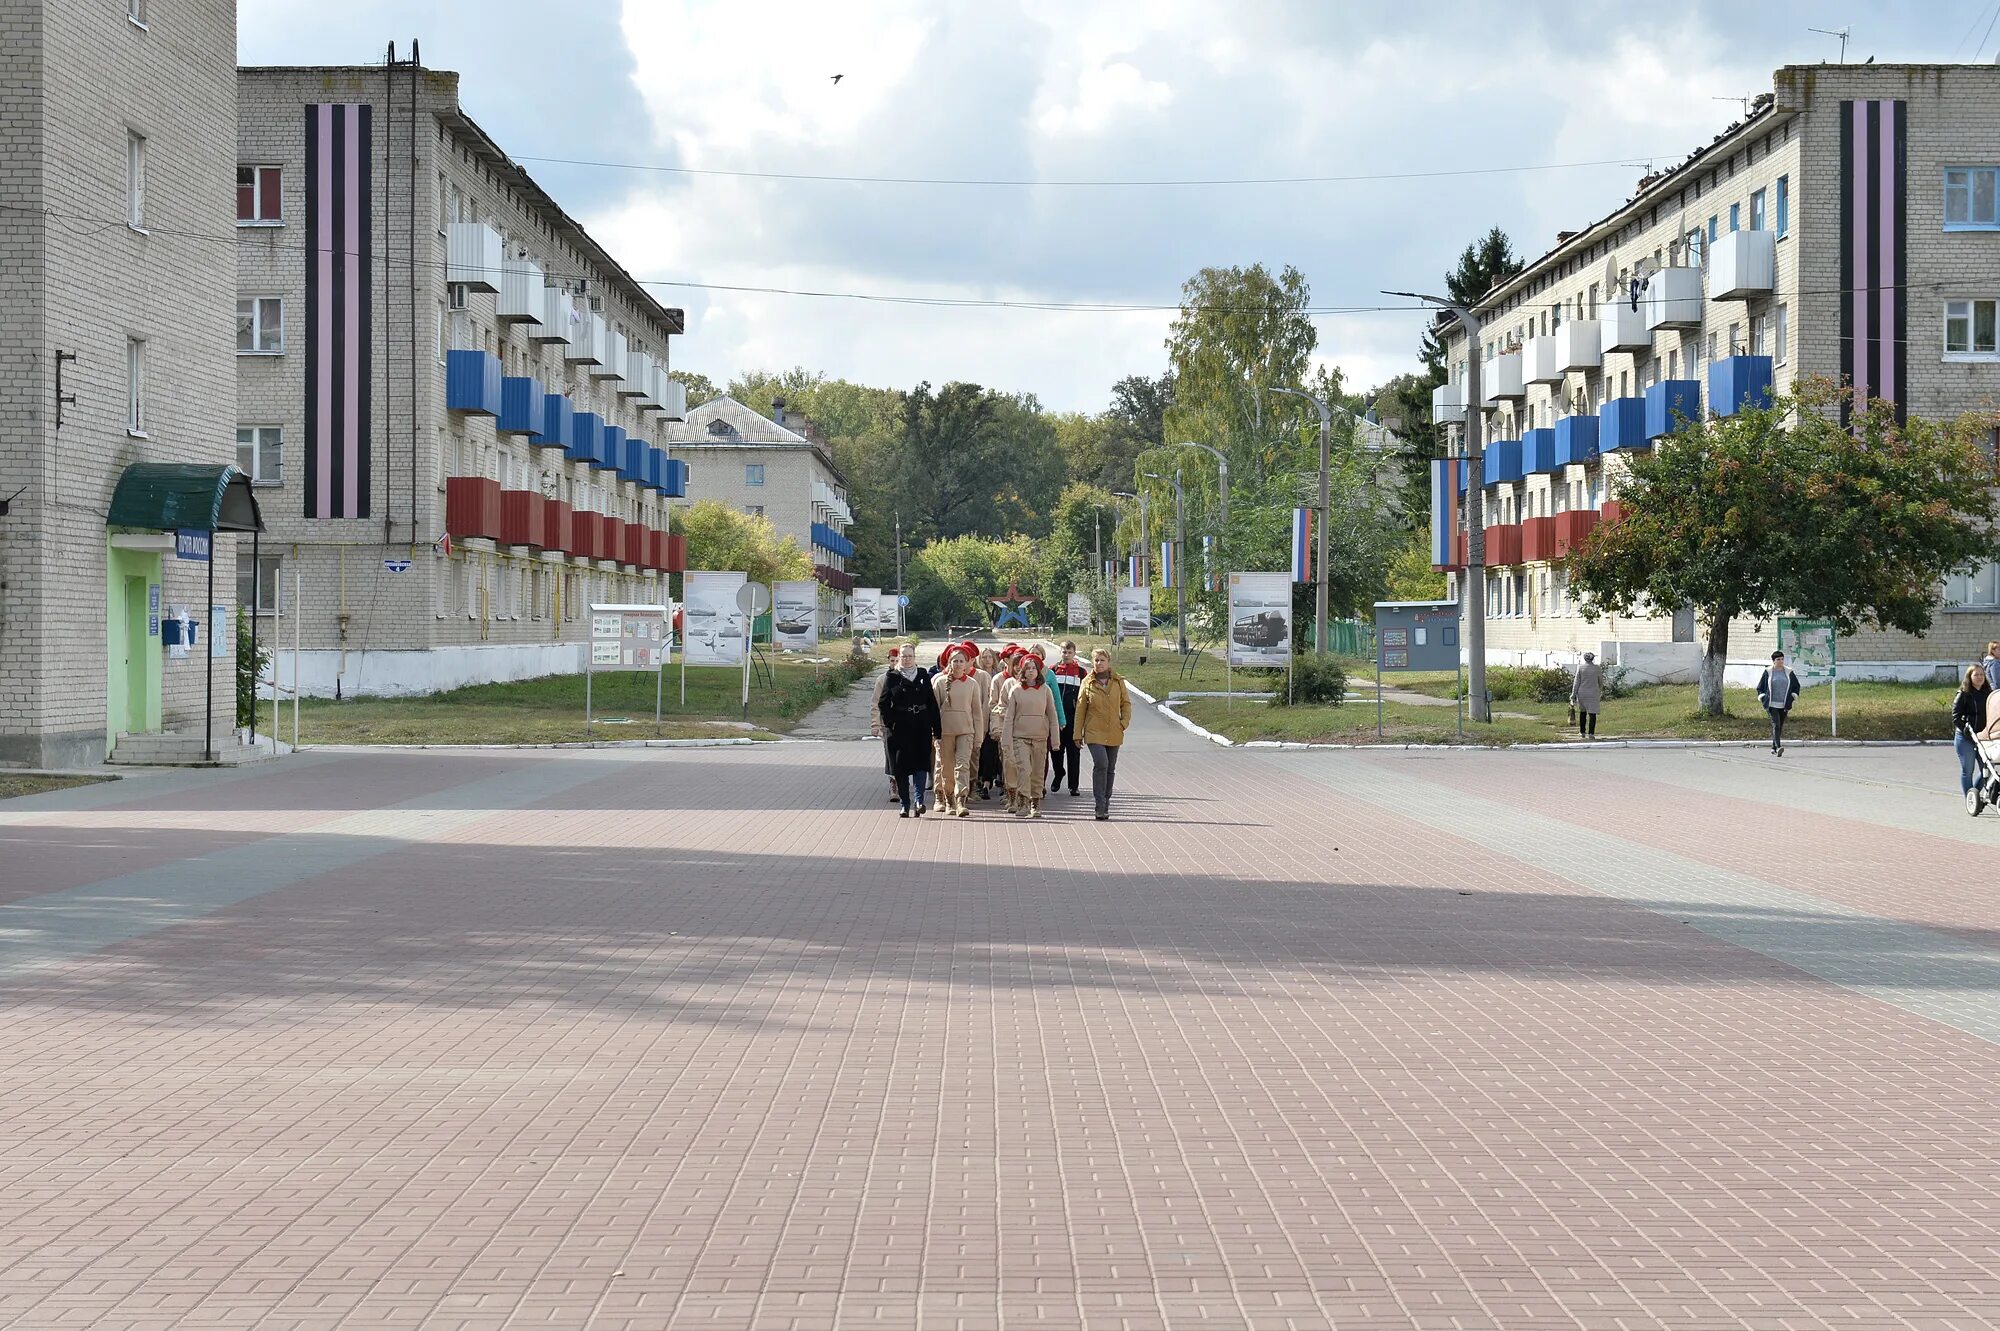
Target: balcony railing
(1503,462)
(610,364)
(611,538)
(676,479)
(1673,298)
(1538,540)
(832,577)
(1572,527)
(558,427)
(588,339)
(610,454)
(555,524)
(1538,451)
(520,293)
(1624,327)
(638,378)
(677,554)
(1670,404)
(555,320)
(1580,345)
(826,538)
(632,466)
(1448,404)
(472,507)
(1503,544)
(586,436)
(1539,364)
(520,406)
(524,519)
(1576,441)
(1742,264)
(473,256)
(1502,380)
(585,533)
(1735,382)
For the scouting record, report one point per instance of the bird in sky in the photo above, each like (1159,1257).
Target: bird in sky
(838,77)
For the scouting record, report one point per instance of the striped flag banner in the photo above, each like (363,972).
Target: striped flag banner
(339,324)
(1302,534)
(1873,250)
(1208,563)
(1166,563)
(1132,570)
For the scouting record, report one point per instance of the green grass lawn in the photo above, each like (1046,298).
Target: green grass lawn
(14,785)
(550,710)
(1665,711)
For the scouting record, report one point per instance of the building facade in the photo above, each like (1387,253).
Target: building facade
(775,467)
(452,400)
(1846,228)
(117,139)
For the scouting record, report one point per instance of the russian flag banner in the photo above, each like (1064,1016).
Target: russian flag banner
(1167,563)
(1132,570)
(1302,530)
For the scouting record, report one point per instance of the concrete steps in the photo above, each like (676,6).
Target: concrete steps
(188,749)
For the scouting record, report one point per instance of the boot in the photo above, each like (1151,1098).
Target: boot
(1035,807)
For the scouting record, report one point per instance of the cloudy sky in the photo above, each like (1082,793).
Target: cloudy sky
(1053,91)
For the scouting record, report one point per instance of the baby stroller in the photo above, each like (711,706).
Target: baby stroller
(1986,781)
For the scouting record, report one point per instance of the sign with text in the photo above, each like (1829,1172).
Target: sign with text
(192,544)
(795,618)
(630,637)
(1079,610)
(713,631)
(1416,635)
(1809,646)
(1260,619)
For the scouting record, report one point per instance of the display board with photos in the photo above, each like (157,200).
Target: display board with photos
(1135,611)
(630,637)
(795,615)
(714,630)
(1260,620)
(1079,610)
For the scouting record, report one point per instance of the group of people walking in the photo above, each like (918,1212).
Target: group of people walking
(982,718)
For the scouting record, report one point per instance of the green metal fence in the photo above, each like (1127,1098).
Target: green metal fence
(1351,637)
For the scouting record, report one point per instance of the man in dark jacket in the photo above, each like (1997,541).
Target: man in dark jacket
(1778,689)
(1067,677)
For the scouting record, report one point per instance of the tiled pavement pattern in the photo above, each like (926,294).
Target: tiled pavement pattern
(709,1038)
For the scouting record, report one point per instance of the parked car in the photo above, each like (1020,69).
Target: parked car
(1263,629)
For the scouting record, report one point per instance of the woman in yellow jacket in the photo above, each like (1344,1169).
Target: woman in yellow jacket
(1030,732)
(1103,713)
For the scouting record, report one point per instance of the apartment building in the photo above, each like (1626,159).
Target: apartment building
(776,467)
(117,138)
(452,401)
(1848,227)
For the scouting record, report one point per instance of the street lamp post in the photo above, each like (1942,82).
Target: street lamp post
(1180,556)
(1475,525)
(1325,512)
(1222,464)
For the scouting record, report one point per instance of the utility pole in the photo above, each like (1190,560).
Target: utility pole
(1180,556)
(900,626)
(1222,464)
(1475,517)
(1325,513)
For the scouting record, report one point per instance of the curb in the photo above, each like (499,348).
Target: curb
(716,743)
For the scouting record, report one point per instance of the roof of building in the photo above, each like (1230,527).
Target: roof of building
(748,429)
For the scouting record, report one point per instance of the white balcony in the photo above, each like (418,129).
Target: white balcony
(588,340)
(520,293)
(473,256)
(1579,345)
(1538,361)
(557,315)
(1624,327)
(1673,299)
(1448,404)
(611,365)
(675,399)
(657,386)
(638,377)
(1500,380)
(1742,264)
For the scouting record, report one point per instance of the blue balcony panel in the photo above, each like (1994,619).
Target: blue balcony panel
(1621,425)
(1737,381)
(826,538)
(586,436)
(675,484)
(1538,451)
(520,406)
(1670,404)
(558,427)
(633,466)
(1464,473)
(1576,440)
(1503,462)
(472,382)
(610,454)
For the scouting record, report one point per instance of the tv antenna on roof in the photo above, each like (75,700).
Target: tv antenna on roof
(1745,100)
(1841,33)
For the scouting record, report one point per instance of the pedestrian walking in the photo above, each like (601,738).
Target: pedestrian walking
(1010,679)
(1970,724)
(1103,714)
(910,717)
(875,725)
(1029,731)
(989,747)
(962,721)
(1066,676)
(1990,663)
(1586,695)
(1777,690)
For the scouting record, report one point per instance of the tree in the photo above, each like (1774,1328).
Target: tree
(1783,509)
(953,580)
(1410,576)
(699,386)
(1485,263)
(719,537)
(974,462)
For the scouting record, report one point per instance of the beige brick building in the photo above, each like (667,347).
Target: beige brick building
(117,139)
(453,400)
(1847,227)
(777,467)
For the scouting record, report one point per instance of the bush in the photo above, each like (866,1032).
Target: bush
(1615,684)
(1531,683)
(1315,683)
(249,669)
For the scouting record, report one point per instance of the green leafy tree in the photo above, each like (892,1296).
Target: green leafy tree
(1784,510)
(1409,576)
(720,537)
(952,581)
(974,462)
(699,386)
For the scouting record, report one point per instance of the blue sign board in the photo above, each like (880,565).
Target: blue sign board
(396,565)
(152,609)
(192,544)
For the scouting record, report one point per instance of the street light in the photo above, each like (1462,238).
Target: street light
(1325,511)
(1222,462)
(1475,524)
(1180,559)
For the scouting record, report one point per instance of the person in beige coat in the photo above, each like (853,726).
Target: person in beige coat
(1031,734)
(964,718)
(1004,685)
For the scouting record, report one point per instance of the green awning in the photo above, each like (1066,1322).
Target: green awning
(166,496)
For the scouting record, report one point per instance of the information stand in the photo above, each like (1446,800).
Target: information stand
(1417,635)
(628,637)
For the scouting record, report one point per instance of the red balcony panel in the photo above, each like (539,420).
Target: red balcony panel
(1538,540)
(832,577)
(523,519)
(583,534)
(1503,544)
(634,552)
(1572,528)
(611,538)
(1613,510)
(656,549)
(676,554)
(1461,549)
(556,525)
(472,507)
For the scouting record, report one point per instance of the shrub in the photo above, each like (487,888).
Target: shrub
(1615,683)
(1530,683)
(1315,683)
(248,669)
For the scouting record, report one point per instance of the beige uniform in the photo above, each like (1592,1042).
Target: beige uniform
(1030,721)
(962,715)
(996,703)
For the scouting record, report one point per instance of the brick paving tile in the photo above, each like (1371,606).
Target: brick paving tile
(711,1039)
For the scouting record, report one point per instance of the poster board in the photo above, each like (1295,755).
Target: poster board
(795,617)
(1416,635)
(1079,610)
(867,610)
(713,630)
(1260,620)
(630,637)
(1135,611)
(1810,647)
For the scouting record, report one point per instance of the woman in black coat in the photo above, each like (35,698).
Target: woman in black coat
(910,721)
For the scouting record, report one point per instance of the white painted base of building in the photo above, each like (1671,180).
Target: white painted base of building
(412,674)
(1680,663)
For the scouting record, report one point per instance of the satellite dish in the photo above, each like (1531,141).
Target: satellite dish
(1610,283)
(753,598)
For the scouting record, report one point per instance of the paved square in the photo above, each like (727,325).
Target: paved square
(710,1038)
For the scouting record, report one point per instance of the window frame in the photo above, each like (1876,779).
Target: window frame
(1782,202)
(1972,353)
(1759,209)
(753,474)
(1780,331)
(135,180)
(1735,217)
(1989,572)
(135,387)
(257,192)
(136,15)
(257,445)
(257,325)
(1970,187)
(265,566)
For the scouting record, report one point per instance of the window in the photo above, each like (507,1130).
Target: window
(753,473)
(260,326)
(1735,217)
(440,333)
(1735,346)
(1757,322)
(1971,198)
(259,596)
(1757,211)
(1694,247)
(1979,588)
(1784,206)
(721,429)
(135,180)
(1712,231)
(135,386)
(260,195)
(1969,328)
(458,292)
(754,510)
(260,453)
(135,12)
(1779,328)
